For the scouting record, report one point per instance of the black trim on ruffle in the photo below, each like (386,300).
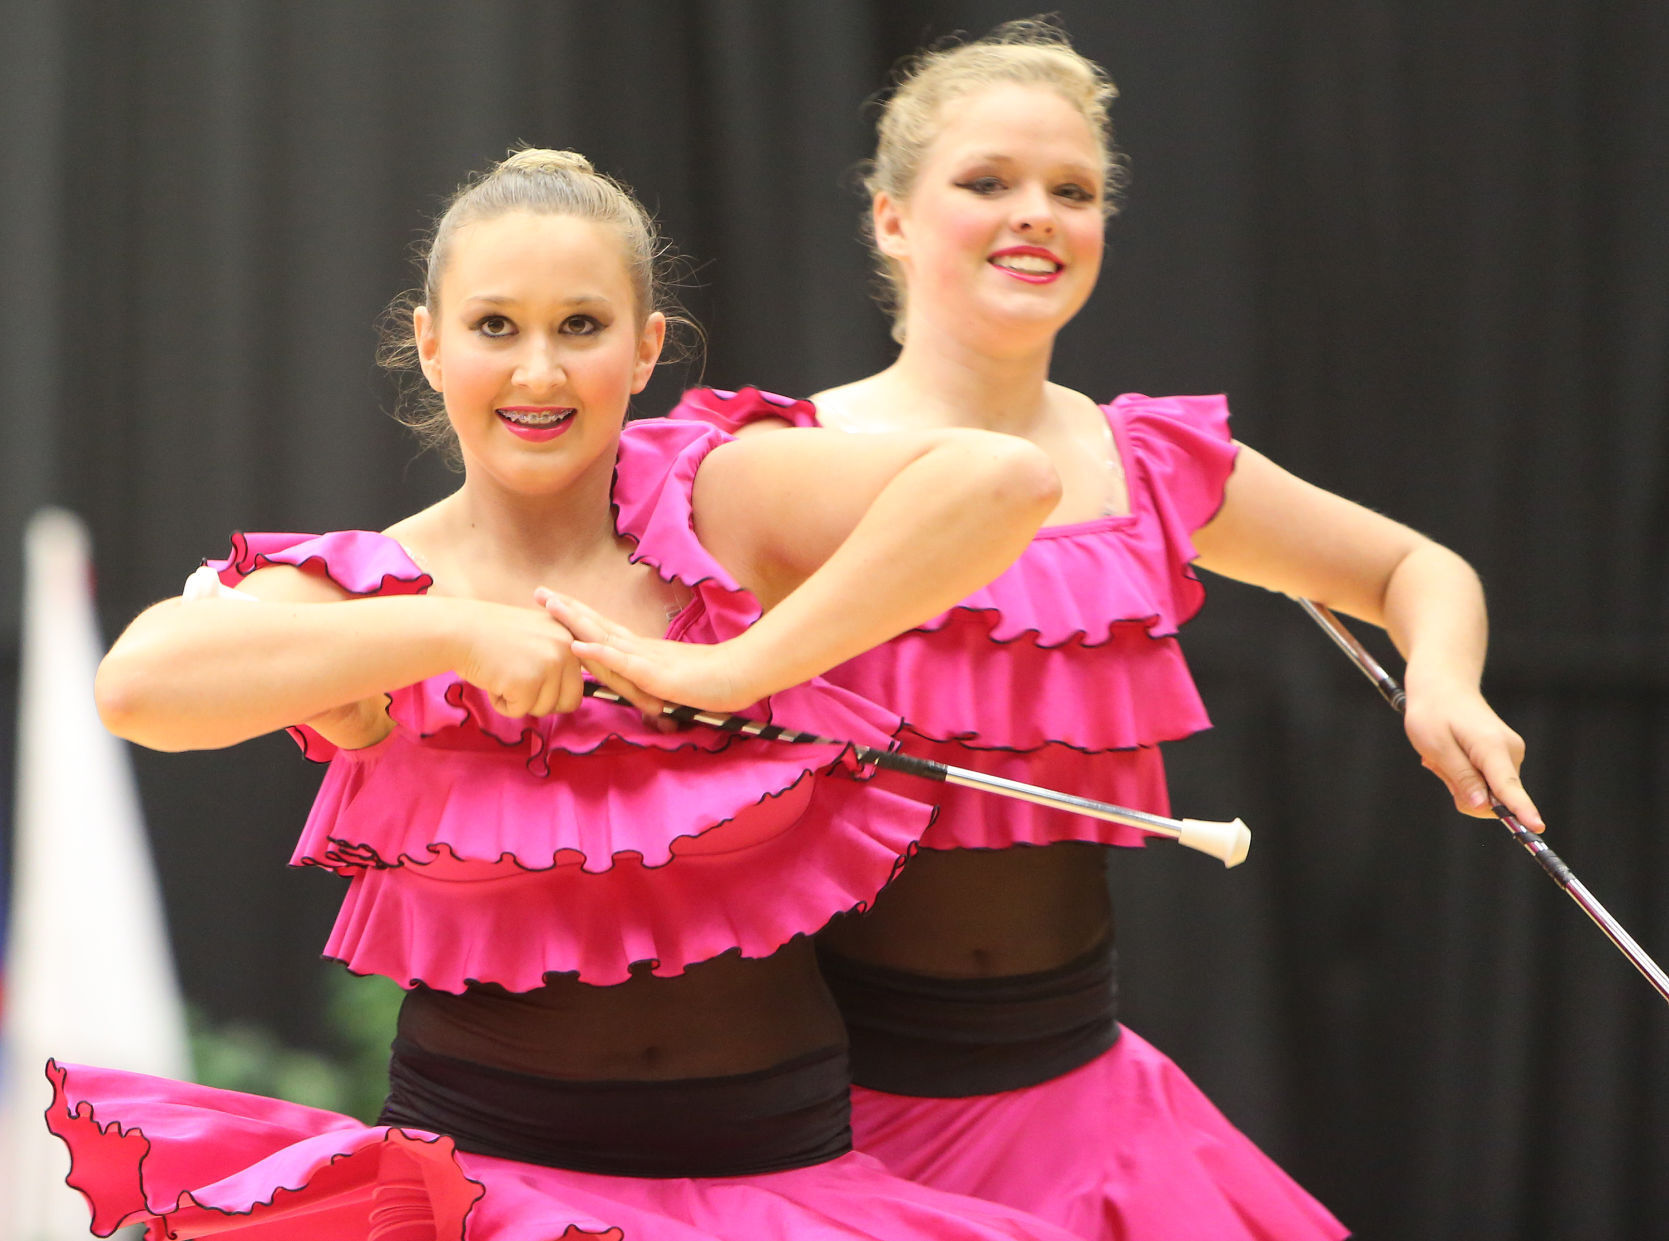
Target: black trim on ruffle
(361,856)
(968,742)
(857,908)
(242,556)
(1147,624)
(639,555)
(60,1093)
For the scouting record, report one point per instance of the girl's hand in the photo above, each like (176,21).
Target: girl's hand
(1468,747)
(651,671)
(522,658)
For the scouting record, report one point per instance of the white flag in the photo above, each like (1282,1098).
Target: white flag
(88,974)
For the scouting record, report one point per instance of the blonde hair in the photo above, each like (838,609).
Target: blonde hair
(544,182)
(1030,52)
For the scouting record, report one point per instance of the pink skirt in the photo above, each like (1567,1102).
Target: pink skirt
(1124,1148)
(192,1161)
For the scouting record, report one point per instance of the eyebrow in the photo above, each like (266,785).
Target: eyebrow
(996,157)
(499,299)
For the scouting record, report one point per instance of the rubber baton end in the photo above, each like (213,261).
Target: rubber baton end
(205,583)
(1229,842)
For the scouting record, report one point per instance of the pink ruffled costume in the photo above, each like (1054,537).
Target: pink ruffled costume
(485,849)
(1066,672)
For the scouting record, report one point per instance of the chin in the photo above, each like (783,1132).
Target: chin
(1026,317)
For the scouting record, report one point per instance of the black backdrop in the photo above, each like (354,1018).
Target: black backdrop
(1422,246)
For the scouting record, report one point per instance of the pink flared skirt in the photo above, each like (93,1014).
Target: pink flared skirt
(193,1161)
(1124,1148)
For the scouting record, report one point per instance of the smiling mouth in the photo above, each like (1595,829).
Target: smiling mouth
(537,419)
(1027,264)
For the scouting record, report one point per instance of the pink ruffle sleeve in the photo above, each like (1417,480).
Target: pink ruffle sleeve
(731,411)
(481,848)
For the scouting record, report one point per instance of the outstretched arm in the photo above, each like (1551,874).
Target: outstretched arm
(847,540)
(213,672)
(1277,531)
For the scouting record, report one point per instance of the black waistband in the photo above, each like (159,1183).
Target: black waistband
(914,1034)
(790,1115)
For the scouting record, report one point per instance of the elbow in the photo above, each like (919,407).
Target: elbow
(118,698)
(124,706)
(1024,480)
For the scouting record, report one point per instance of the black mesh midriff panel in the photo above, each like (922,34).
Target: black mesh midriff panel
(982,913)
(914,1034)
(789,1115)
(732,1067)
(720,1017)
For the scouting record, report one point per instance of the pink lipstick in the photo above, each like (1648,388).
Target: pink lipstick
(535,423)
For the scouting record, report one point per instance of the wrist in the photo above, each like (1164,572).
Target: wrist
(757,667)
(441,625)
(1426,679)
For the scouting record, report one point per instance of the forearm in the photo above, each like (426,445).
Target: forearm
(944,526)
(1284,534)
(1434,612)
(214,672)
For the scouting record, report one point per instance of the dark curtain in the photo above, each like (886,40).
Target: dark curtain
(1422,247)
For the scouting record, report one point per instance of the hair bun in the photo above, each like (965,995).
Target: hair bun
(541,159)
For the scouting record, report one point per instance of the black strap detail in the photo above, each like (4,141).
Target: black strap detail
(790,1115)
(909,763)
(913,1034)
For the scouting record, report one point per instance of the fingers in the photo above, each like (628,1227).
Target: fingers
(622,671)
(581,620)
(1465,783)
(565,689)
(1481,772)
(633,666)
(523,659)
(1493,759)
(1500,769)
(612,643)
(651,706)
(548,695)
(601,661)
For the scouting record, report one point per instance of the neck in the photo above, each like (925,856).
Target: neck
(963,382)
(539,533)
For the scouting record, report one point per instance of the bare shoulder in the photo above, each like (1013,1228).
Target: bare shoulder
(422,525)
(424,536)
(862,405)
(282,583)
(759,426)
(1077,410)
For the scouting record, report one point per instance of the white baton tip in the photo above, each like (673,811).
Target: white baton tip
(205,583)
(1229,842)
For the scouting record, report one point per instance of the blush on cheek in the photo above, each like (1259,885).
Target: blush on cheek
(958,257)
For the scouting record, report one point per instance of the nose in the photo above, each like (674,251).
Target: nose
(1034,213)
(540,369)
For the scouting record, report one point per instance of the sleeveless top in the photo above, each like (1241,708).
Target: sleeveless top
(481,848)
(1065,671)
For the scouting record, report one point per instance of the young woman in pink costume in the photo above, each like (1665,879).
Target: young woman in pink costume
(979,990)
(614,1025)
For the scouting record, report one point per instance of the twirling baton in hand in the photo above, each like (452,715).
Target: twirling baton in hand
(1550,861)
(1228,842)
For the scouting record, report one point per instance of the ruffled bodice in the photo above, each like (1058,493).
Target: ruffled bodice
(485,848)
(1065,670)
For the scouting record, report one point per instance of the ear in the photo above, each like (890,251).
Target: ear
(887,217)
(428,345)
(649,344)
